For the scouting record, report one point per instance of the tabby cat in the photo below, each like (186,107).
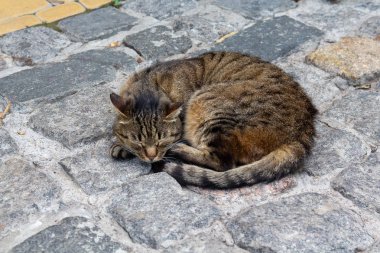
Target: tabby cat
(221,120)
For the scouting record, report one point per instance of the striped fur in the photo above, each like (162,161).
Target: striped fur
(243,120)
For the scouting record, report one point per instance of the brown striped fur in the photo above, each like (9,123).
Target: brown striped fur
(244,120)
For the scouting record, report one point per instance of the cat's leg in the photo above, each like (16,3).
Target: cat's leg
(198,156)
(118,152)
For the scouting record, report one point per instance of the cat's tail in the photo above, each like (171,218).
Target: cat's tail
(276,164)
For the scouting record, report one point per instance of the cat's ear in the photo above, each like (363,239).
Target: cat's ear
(173,111)
(120,103)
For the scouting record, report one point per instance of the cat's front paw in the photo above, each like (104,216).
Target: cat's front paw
(118,152)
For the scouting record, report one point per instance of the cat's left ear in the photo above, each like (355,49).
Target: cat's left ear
(122,105)
(173,111)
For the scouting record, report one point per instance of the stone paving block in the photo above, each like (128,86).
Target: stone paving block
(18,23)
(154,209)
(24,192)
(162,42)
(359,110)
(7,144)
(57,78)
(77,119)
(9,9)
(93,4)
(95,171)
(33,45)
(360,183)
(72,234)
(270,39)
(375,248)
(60,11)
(108,57)
(371,27)
(334,149)
(160,9)
(97,24)
(354,58)
(257,8)
(308,222)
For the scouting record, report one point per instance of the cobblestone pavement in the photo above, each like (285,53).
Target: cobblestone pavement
(61,192)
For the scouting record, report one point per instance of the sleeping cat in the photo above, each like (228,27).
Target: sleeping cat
(221,120)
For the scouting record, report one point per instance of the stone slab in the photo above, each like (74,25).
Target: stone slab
(371,27)
(162,42)
(95,171)
(79,71)
(18,23)
(98,24)
(33,45)
(154,209)
(9,9)
(360,183)
(375,248)
(25,192)
(307,222)
(72,234)
(160,9)
(7,144)
(257,8)
(359,110)
(334,149)
(77,119)
(60,12)
(270,39)
(93,4)
(355,58)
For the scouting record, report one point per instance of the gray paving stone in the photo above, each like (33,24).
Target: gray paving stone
(3,63)
(375,248)
(95,171)
(72,234)
(271,39)
(77,119)
(24,192)
(161,43)
(33,45)
(257,8)
(334,149)
(97,24)
(359,110)
(81,70)
(160,9)
(7,144)
(371,27)
(154,209)
(360,183)
(307,222)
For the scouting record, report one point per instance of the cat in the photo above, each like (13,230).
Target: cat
(227,119)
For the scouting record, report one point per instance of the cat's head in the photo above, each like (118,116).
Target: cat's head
(147,125)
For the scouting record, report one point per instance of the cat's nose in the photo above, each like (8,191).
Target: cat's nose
(151,152)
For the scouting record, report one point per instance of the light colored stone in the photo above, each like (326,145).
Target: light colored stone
(354,58)
(93,4)
(11,8)
(60,11)
(18,23)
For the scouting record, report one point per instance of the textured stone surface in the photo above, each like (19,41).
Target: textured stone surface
(3,63)
(24,191)
(360,183)
(77,119)
(33,45)
(60,11)
(161,43)
(358,110)
(18,23)
(371,27)
(303,223)
(352,57)
(270,39)
(95,171)
(55,78)
(334,149)
(160,9)
(97,24)
(254,9)
(154,209)
(72,234)
(375,248)
(7,144)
